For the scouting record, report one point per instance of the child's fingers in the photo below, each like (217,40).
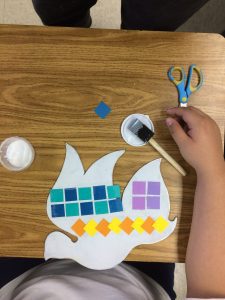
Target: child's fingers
(200,112)
(177,132)
(189,115)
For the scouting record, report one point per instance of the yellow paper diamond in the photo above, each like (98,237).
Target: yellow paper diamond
(90,227)
(160,224)
(138,222)
(114,225)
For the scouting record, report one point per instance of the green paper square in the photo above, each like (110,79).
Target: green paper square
(101,207)
(84,194)
(72,210)
(113,191)
(56,195)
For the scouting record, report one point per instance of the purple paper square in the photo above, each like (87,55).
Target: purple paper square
(139,187)
(138,203)
(153,202)
(153,188)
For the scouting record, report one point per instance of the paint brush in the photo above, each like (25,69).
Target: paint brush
(146,135)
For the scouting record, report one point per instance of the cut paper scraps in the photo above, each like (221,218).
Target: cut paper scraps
(108,225)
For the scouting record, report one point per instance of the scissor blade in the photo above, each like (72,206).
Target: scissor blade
(189,87)
(183,104)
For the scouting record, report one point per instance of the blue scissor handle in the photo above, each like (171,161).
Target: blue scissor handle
(180,84)
(189,88)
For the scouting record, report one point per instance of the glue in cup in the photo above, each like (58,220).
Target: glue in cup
(129,137)
(16,154)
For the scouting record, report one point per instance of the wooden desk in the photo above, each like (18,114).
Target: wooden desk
(51,79)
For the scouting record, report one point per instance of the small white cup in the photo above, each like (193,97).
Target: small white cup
(16,153)
(129,137)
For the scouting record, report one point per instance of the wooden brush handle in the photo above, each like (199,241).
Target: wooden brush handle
(164,154)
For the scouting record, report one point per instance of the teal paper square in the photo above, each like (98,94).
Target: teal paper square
(72,210)
(56,195)
(101,207)
(113,191)
(84,193)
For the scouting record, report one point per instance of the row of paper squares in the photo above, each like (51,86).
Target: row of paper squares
(100,192)
(146,187)
(86,208)
(117,226)
(149,202)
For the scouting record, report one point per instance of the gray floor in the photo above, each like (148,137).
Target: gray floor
(211,18)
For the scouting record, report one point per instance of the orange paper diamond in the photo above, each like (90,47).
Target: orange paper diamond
(126,225)
(102,227)
(147,225)
(78,227)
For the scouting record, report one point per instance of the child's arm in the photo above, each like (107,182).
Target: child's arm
(201,146)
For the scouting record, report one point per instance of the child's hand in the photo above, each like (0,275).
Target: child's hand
(198,138)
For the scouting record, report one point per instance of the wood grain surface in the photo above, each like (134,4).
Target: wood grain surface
(51,79)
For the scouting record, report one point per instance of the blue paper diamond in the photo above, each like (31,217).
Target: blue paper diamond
(102,110)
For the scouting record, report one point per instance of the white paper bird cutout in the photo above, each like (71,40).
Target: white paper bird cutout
(88,205)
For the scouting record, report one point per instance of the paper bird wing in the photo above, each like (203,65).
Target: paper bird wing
(73,175)
(148,173)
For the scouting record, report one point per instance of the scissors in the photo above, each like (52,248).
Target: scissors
(184,86)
